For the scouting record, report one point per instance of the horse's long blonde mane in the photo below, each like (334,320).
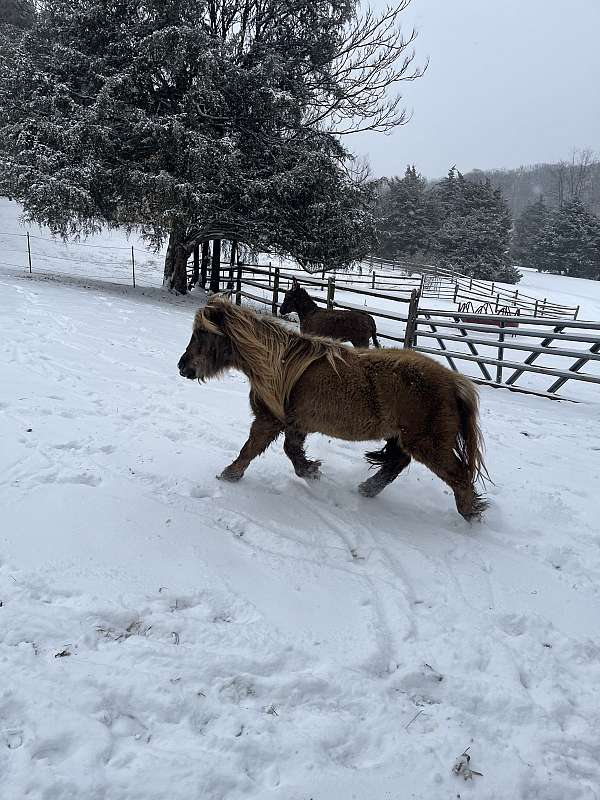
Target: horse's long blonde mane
(273,357)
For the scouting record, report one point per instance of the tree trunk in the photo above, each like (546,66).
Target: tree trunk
(196,269)
(175,275)
(205,262)
(215,271)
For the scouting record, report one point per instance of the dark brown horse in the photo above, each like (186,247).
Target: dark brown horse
(350,325)
(303,384)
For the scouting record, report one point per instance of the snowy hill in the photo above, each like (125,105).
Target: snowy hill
(165,635)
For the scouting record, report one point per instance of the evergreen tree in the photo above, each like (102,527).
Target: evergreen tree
(198,119)
(405,216)
(474,232)
(527,234)
(570,243)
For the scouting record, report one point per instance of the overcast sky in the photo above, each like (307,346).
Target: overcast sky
(510,82)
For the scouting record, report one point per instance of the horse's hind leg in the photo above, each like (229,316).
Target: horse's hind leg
(445,464)
(264,430)
(393,460)
(293,447)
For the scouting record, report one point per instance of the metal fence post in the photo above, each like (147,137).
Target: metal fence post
(29,252)
(275,304)
(132,266)
(330,292)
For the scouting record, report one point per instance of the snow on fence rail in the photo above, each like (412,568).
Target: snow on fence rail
(529,354)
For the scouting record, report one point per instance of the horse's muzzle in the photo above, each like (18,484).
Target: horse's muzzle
(184,370)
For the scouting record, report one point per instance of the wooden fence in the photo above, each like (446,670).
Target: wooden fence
(494,349)
(451,285)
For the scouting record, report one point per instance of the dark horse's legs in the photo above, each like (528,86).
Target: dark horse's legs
(393,460)
(293,446)
(265,429)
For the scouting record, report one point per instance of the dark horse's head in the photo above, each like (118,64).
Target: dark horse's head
(209,352)
(293,299)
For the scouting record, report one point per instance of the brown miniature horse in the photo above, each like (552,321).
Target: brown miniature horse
(303,384)
(349,325)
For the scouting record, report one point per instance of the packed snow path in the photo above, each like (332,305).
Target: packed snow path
(163,635)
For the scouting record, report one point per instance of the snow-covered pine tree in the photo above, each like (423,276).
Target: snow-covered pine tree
(199,119)
(527,234)
(570,242)
(474,232)
(406,217)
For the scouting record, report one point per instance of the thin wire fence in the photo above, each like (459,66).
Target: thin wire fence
(126,264)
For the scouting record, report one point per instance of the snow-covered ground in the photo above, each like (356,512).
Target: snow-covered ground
(163,635)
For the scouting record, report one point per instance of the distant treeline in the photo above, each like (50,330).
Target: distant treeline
(486,224)
(577,179)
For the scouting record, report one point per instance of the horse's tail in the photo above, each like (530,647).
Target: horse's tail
(374,332)
(469,445)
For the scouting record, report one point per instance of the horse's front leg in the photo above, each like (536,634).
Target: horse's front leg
(293,447)
(264,430)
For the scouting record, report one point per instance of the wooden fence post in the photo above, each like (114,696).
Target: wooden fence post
(132,264)
(535,308)
(275,304)
(238,284)
(29,252)
(373,279)
(215,267)
(500,353)
(204,263)
(576,313)
(411,322)
(330,292)
(232,260)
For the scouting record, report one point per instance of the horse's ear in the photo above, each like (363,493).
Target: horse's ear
(214,314)
(295,284)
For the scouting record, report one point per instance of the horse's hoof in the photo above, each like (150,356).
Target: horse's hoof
(310,472)
(230,476)
(367,489)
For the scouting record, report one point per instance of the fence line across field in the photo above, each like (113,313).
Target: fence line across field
(467,288)
(429,280)
(422,329)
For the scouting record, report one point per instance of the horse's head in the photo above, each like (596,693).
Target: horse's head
(209,352)
(292,299)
